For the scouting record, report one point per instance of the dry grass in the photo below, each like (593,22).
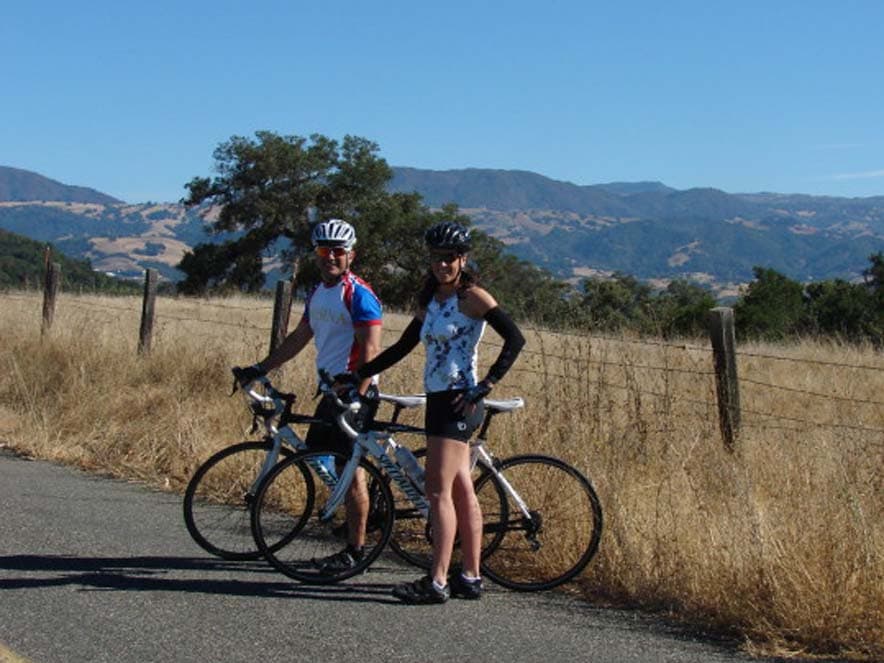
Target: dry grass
(780,543)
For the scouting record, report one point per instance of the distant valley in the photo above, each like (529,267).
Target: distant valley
(646,229)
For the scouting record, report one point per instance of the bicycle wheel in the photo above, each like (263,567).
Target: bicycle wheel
(218,496)
(412,537)
(562,533)
(290,498)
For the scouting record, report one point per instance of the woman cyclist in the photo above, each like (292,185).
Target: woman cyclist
(450,321)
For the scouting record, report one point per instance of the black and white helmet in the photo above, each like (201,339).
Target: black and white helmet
(448,235)
(333,232)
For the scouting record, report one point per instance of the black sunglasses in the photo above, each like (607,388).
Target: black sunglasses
(447,257)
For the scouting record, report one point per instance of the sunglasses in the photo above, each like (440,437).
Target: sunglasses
(326,251)
(447,257)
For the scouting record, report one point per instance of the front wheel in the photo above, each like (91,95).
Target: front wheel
(219,496)
(289,501)
(559,534)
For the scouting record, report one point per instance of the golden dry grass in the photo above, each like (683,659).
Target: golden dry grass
(780,543)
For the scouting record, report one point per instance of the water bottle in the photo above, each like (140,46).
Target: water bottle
(328,462)
(413,470)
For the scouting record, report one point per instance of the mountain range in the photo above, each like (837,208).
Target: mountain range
(646,229)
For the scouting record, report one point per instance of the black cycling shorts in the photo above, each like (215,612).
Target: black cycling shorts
(329,436)
(441,420)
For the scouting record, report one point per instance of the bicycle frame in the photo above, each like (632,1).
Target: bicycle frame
(368,444)
(279,436)
(377,445)
(365,444)
(486,460)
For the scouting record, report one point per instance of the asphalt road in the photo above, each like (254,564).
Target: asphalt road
(94,569)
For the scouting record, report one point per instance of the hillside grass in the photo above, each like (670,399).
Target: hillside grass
(779,544)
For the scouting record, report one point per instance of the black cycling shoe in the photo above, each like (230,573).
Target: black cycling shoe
(338,563)
(421,592)
(462,589)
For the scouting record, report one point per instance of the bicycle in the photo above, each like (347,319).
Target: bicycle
(219,495)
(530,541)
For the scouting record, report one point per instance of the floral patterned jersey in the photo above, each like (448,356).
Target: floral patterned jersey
(451,340)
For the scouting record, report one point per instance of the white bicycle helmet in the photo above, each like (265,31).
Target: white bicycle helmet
(334,232)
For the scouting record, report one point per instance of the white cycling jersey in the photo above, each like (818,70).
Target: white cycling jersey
(334,312)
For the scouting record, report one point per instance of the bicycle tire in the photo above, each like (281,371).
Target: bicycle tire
(290,498)
(217,500)
(412,537)
(561,536)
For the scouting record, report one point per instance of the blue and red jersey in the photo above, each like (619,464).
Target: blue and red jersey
(333,313)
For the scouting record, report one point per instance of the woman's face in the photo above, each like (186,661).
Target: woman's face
(446,265)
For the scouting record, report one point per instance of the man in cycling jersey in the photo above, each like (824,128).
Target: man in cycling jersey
(343,316)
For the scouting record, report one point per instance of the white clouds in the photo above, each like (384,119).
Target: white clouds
(866,175)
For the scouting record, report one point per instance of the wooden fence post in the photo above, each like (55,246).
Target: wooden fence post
(145,335)
(50,292)
(721,333)
(281,307)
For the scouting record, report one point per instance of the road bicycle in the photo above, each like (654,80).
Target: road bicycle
(219,495)
(542,519)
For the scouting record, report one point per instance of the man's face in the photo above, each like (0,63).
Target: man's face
(333,261)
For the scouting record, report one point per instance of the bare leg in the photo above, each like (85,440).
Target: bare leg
(469,521)
(357,509)
(446,458)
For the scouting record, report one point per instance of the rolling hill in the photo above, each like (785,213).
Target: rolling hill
(655,232)
(645,229)
(18,185)
(22,266)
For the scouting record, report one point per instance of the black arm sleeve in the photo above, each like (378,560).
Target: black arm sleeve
(513,341)
(406,343)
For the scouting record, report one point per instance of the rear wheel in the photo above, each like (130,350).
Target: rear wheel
(559,535)
(290,499)
(218,498)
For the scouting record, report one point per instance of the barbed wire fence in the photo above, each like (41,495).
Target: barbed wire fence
(714,365)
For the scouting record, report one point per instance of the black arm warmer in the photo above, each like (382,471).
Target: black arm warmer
(512,343)
(406,343)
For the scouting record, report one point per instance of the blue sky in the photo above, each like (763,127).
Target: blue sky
(132,98)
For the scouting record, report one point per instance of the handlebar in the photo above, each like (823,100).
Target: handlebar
(275,404)
(326,382)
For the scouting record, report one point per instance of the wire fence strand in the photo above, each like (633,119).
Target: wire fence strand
(582,353)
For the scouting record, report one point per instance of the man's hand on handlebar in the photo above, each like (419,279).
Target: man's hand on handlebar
(245,376)
(344,382)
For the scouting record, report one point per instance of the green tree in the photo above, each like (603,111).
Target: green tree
(839,308)
(681,310)
(267,190)
(617,303)
(874,277)
(526,291)
(771,308)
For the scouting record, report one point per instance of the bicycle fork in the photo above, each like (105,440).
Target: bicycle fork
(279,437)
(266,466)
